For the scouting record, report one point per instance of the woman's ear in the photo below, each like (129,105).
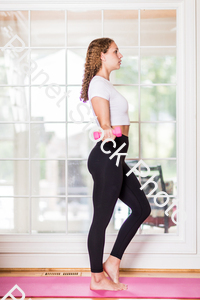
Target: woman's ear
(103,56)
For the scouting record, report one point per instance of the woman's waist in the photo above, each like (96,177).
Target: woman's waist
(124,129)
(114,144)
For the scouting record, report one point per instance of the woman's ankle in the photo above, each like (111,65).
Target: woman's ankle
(98,276)
(114,260)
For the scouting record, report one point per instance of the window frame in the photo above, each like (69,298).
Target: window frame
(184,242)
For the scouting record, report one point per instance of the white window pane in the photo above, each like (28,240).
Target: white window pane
(75,65)
(83,27)
(48,140)
(50,67)
(11,23)
(48,177)
(79,143)
(14,215)
(14,104)
(44,108)
(121,26)
(79,214)
(48,215)
(158,140)
(73,102)
(158,27)
(78,178)
(158,65)
(14,178)
(14,66)
(14,140)
(158,103)
(48,28)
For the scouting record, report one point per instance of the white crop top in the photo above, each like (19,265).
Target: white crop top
(100,86)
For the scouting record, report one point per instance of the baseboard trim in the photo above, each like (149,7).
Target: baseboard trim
(88,270)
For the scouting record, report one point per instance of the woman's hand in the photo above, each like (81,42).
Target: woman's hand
(108,134)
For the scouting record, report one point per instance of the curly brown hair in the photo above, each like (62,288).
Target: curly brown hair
(93,63)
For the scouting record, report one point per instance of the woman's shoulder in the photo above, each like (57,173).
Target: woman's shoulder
(101,80)
(99,86)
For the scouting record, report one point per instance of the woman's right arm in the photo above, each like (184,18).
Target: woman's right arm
(102,111)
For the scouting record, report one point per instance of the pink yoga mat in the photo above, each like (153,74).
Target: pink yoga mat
(138,287)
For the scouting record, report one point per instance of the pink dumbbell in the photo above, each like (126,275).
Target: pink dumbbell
(117,131)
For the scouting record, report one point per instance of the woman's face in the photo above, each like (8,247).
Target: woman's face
(112,58)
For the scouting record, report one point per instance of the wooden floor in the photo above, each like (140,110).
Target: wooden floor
(86,273)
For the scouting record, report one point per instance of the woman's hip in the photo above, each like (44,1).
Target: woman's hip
(108,155)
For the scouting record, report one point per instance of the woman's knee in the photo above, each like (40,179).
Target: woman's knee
(144,211)
(100,222)
(147,210)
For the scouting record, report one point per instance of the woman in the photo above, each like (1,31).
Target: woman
(110,180)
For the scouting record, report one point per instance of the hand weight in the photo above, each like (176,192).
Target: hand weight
(117,131)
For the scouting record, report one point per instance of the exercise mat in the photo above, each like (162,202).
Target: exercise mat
(70,286)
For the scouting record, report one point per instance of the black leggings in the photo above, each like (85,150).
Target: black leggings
(111,183)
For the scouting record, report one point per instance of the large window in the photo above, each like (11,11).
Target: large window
(45,186)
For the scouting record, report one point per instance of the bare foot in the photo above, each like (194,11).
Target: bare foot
(104,283)
(111,267)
